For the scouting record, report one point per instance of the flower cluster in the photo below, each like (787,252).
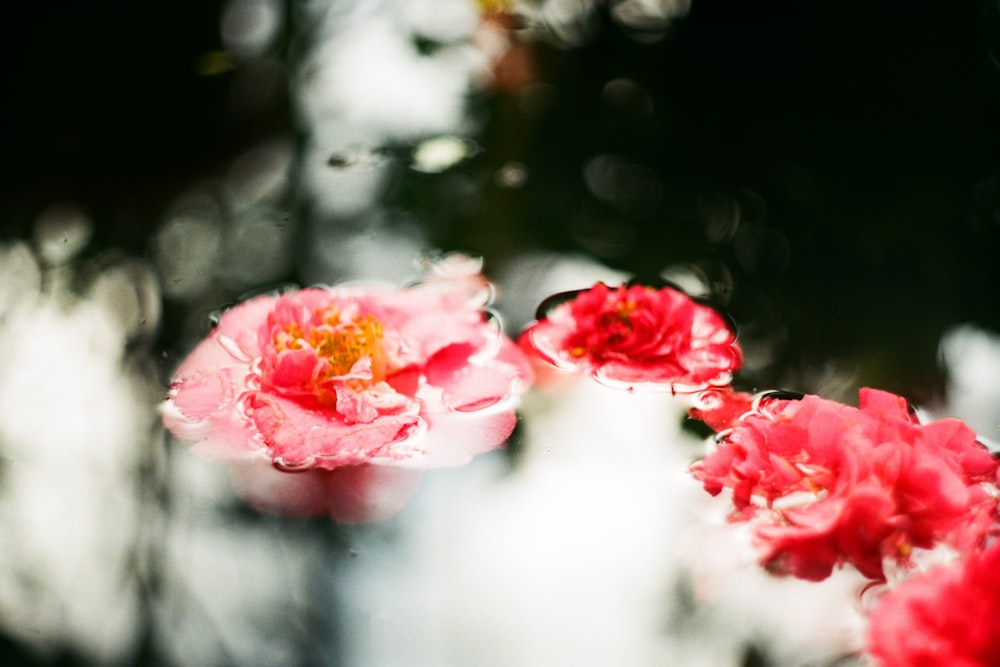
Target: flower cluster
(331,400)
(829,484)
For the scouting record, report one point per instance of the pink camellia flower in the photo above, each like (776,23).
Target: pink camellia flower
(829,484)
(332,400)
(949,615)
(637,335)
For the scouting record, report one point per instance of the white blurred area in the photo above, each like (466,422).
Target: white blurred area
(234,233)
(113,546)
(77,430)
(971,359)
(383,85)
(594,548)
(234,588)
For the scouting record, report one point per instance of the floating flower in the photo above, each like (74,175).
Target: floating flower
(949,615)
(830,484)
(333,399)
(637,335)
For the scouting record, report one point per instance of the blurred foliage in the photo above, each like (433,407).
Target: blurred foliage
(857,142)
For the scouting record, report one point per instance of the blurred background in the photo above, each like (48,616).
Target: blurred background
(827,172)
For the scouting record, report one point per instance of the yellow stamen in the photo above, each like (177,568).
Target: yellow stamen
(342,343)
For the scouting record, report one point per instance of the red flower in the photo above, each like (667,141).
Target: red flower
(637,334)
(830,484)
(949,615)
(332,400)
(721,407)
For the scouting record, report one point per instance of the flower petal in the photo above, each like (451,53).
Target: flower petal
(299,437)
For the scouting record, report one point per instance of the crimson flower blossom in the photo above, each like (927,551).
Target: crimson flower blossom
(828,484)
(949,615)
(332,400)
(637,335)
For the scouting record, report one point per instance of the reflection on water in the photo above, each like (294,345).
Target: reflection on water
(842,209)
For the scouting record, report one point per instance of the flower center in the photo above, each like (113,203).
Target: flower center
(340,341)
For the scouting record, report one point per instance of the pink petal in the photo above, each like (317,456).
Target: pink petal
(453,439)
(366,493)
(276,492)
(298,436)
(467,387)
(203,408)
(350,495)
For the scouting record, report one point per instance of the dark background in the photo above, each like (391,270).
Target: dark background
(858,141)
